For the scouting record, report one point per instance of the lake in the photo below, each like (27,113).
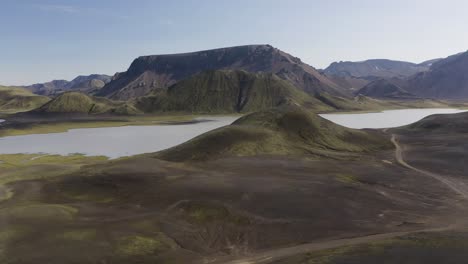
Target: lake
(385,119)
(112,142)
(115,142)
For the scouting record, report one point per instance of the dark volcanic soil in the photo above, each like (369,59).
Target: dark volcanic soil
(148,211)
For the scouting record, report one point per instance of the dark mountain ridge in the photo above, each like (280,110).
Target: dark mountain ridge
(446,79)
(147,73)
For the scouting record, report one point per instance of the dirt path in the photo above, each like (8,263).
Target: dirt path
(277,254)
(456,185)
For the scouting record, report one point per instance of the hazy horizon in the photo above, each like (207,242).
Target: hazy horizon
(46,40)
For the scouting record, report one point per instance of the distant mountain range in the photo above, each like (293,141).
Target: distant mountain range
(88,83)
(256,77)
(437,79)
(380,68)
(148,73)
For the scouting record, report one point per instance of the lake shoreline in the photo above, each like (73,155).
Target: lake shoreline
(387,118)
(113,140)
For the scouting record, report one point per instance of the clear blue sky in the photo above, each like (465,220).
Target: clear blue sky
(43,40)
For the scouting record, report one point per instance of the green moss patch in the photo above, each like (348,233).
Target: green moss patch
(40,212)
(143,245)
(207,212)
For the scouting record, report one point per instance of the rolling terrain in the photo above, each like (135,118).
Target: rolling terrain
(14,99)
(80,103)
(280,131)
(257,191)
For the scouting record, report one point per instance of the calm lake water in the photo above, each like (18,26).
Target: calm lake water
(385,119)
(113,142)
(116,142)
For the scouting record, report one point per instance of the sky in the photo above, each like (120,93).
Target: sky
(42,40)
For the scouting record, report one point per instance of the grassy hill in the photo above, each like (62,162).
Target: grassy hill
(80,103)
(225,91)
(440,123)
(15,99)
(282,131)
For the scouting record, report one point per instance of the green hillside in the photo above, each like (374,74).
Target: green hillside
(282,131)
(80,103)
(16,99)
(224,91)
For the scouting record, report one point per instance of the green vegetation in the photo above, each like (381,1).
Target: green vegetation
(143,245)
(349,179)
(60,126)
(441,123)
(38,212)
(76,102)
(17,99)
(206,213)
(84,234)
(21,167)
(281,131)
(224,91)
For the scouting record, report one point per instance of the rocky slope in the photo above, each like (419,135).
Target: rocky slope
(148,73)
(446,79)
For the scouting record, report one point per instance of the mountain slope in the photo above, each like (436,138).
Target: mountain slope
(383,88)
(446,79)
(80,103)
(148,73)
(281,131)
(14,99)
(82,83)
(438,124)
(225,91)
(375,68)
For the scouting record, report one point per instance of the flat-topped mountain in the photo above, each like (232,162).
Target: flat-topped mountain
(227,91)
(148,73)
(446,79)
(376,68)
(84,83)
